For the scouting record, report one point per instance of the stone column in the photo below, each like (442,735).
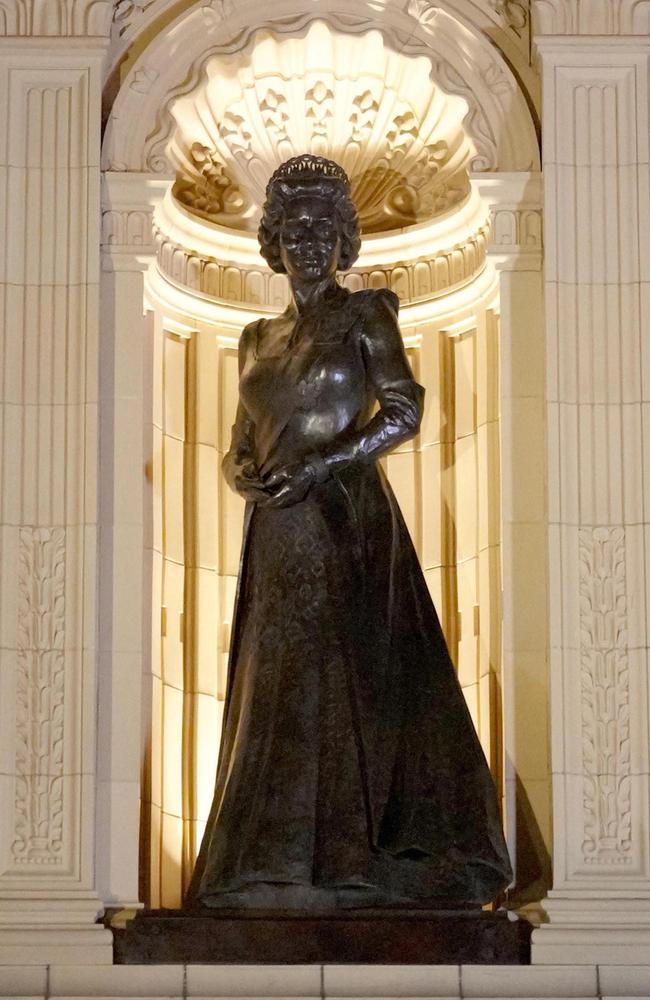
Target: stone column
(515,202)
(597,237)
(49,275)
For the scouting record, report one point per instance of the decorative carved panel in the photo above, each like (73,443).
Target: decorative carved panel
(39,697)
(605,697)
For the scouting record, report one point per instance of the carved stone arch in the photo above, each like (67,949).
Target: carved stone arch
(196,279)
(464,63)
(507,23)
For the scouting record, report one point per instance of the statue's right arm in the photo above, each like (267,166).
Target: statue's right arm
(238,465)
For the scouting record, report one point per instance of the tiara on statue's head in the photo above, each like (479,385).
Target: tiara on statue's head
(308,167)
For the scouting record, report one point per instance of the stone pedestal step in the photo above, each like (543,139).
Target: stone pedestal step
(382,936)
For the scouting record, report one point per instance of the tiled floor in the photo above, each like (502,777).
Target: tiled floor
(313,982)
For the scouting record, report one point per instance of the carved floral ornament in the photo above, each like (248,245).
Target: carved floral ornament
(399,136)
(40,682)
(605,698)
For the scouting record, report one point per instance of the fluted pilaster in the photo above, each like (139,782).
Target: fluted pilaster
(598,384)
(49,188)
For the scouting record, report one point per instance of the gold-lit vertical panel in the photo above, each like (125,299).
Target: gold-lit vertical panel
(437,489)
(231,510)
(166,759)
(403,472)
(459,503)
(213,525)
(151,786)
(200,736)
(489,542)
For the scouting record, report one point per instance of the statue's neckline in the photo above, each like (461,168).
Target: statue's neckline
(292,323)
(332,294)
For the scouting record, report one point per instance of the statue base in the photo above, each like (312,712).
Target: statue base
(406,936)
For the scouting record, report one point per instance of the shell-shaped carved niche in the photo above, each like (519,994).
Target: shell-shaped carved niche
(351,98)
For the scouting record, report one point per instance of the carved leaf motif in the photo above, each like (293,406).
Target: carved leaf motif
(605,697)
(320,110)
(214,192)
(497,80)
(143,80)
(128,12)
(363,118)
(424,11)
(39,697)
(515,14)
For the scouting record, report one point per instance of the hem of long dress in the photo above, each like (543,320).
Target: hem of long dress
(297,895)
(310,898)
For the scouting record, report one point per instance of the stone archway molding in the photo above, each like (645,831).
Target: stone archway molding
(464,63)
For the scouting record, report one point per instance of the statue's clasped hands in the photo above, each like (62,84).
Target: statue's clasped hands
(282,487)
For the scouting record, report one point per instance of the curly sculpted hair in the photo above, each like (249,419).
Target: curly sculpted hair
(318,177)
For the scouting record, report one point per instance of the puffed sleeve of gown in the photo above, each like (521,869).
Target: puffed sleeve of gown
(242,442)
(399,396)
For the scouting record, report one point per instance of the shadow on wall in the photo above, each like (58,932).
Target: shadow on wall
(534,867)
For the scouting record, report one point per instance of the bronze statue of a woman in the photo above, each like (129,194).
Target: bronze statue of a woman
(350,773)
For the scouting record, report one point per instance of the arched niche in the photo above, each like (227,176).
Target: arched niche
(451,292)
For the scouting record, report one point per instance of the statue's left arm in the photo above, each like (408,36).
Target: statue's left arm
(399,396)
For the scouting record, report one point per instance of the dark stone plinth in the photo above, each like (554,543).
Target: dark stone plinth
(361,936)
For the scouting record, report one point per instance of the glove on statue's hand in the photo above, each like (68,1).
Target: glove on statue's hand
(248,483)
(289,484)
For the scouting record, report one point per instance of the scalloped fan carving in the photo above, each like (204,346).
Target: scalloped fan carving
(348,97)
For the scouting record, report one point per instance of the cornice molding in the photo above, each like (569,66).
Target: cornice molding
(420,263)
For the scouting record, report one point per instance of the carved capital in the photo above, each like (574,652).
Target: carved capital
(127,231)
(590,17)
(66,18)
(516,230)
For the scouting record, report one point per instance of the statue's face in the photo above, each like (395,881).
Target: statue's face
(310,244)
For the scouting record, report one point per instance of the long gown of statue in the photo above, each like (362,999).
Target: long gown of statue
(349,766)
